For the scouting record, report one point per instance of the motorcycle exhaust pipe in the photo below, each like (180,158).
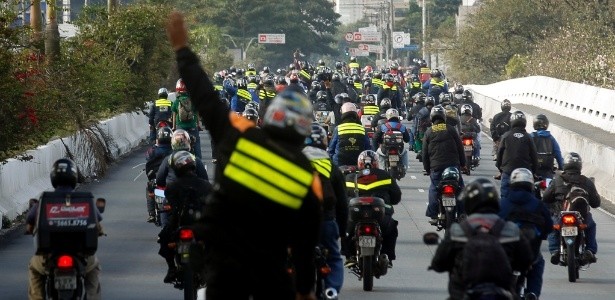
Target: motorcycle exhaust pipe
(330,294)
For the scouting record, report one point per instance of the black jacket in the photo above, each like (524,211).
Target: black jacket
(442,148)
(499,118)
(375,183)
(563,182)
(448,257)
(516,151)
(241,221)
(477,111)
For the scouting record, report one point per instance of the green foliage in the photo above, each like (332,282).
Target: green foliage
(113,65)
(515,66)
(498,31)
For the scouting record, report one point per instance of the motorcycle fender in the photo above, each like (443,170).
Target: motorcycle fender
(367,251)
(570,240)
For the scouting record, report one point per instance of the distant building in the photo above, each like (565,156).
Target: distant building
(354,10)
(467,8)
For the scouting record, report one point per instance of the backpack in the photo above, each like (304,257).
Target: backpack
(393,135)
(577,199)
(544,151)
(185,110)
(484,258)
(531,224)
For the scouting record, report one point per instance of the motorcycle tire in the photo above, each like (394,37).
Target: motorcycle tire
(190,287)
(450,219)
(368,273)
(571,260)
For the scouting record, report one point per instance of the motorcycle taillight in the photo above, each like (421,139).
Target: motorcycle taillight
(367,229)
(393,151)
(186,234)
(467,142)
(569,220)
(448,190)
(543,184)
(65,262)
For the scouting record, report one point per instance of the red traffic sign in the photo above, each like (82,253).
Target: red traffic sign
(349,37)
(358,36)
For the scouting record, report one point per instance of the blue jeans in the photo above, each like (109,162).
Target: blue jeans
(432,206)
(534,276)
(505,182)
(476,152)
(197,143)
(329,239)
(590,235)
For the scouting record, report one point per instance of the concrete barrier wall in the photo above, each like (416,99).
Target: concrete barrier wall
(598,159)
(22,180)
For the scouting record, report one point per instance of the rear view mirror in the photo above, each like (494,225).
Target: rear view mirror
(100,204)
(431,238)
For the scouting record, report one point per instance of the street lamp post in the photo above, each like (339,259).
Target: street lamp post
(243,49)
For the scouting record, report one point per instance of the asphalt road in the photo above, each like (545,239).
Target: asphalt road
(132,269)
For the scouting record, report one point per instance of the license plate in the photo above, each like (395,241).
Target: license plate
(367,241)
(183,248)
(393,158)
(65,282)
(467,148)
(447,201)
(570,231)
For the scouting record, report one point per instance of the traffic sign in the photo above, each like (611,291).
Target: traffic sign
(367,36)
(271,38)
(358,52)
(349,37)
(410,47)
(398,39)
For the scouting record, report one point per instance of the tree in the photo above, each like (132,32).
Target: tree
(52,35)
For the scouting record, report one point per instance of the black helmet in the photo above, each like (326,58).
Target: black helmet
(450,174)
(163,93)
(183,162)
(467,95)
(466,109)
(541,122)
(250,114)
(436,73)
(522,178)
(266,69)
(370,99)
(163,135)
(64,172)
(480,195)
(321,96)
(573,161)
(321,62)
(430,101)
(437,113)
(268,81)
(459,89)
(517,119)
(318,137)
(420,97)
(353,59)
(385,103)
(505,105)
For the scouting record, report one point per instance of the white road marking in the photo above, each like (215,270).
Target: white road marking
(413,177)
(421,190)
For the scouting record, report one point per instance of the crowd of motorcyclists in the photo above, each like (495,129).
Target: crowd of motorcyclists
(278,167)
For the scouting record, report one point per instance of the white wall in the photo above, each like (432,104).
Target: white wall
(547,93)
(22,180)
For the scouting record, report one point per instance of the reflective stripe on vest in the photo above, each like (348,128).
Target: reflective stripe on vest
(416,84)
(377,82)
(425,71)
(305,74)
(218,87)
(163,102)
(353,65)
(244,95)
(350,128)
(358,85)
(252,85)
(371,110)
(438,83)
(268,174)
(262,94)
(322,166)
(367,187)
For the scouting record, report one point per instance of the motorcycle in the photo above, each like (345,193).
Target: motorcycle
(366,121)
(467,140)
(366,213)
(66,264)
(161,208)
(393,147)
(322,111)
(541,186)
(572,235)
(447,202)
(322,271)
(189,278)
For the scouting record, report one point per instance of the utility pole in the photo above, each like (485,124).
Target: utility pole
(424,25)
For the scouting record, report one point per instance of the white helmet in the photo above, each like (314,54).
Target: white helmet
(392,113)
(348,107)
(180,140)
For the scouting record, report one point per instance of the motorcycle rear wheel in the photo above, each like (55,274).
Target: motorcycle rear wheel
(368,273)
(190,288)
(571,260)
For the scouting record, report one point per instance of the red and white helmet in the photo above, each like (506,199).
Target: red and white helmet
(180,87)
